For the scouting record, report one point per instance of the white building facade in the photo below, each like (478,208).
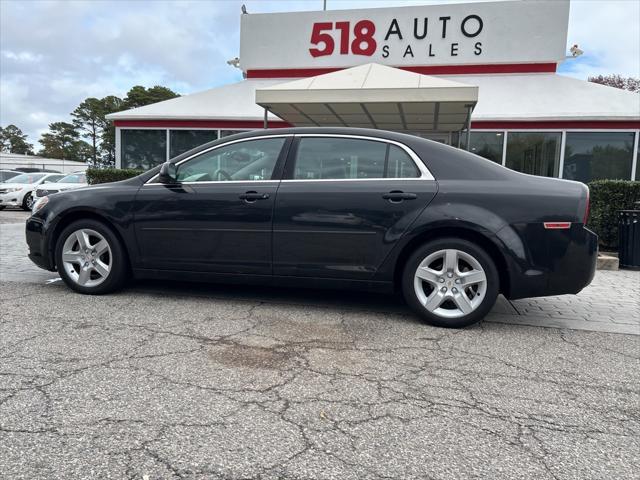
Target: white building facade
(481,76)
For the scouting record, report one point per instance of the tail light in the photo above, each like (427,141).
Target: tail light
(586,210)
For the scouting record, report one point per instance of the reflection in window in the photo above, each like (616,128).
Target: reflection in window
(400,164)
(181,141)
(598,155)
(337,158)
(487,145)
(143,149)
(250,160)
(536,153)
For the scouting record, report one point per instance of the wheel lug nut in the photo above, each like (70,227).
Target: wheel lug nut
(450,274)
(443,289)
(457,280)
(454,290)
(441,280)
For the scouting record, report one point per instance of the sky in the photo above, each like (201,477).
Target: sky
(53,54)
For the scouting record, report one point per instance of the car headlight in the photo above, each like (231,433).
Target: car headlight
(41,202)
(13,189)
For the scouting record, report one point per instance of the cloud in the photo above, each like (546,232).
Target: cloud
(53,54)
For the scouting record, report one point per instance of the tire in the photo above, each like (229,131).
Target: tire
(103,270)
(27,201)
(2,207)
(450,297)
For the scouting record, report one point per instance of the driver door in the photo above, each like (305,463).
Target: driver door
(218,217)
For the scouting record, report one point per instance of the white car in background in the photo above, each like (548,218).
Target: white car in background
(68,182)
(19,191)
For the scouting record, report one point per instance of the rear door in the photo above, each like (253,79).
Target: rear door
(343,204)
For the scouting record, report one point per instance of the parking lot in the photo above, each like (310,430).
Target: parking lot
(221,382)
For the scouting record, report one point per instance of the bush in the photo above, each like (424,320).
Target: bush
(607,197)
(106,175)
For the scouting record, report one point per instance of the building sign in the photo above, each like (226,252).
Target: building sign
(534,31)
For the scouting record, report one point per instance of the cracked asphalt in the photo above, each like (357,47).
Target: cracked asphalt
(212,382)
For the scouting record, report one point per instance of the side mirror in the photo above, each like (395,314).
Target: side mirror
(168,173)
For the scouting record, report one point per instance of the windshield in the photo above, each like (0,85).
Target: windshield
(74,178)
(26,178)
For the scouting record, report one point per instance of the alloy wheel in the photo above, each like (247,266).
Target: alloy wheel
(450,283)
(30,201)
(86,257)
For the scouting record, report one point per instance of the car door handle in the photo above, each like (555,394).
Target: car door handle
(398,196)
(252,196)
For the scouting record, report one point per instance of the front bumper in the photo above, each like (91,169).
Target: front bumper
(11,199)
(38,243)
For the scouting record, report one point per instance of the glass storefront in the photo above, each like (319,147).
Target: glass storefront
(597,155)
(536,153)
(588,155)
(487,144)
(181,141)
(143,149)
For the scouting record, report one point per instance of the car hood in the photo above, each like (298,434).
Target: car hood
(17,185)
(61,186)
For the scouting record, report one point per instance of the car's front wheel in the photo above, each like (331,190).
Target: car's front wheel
(28,201)
(90,258)
(450,282)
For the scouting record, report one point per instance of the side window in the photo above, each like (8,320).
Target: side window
(400,164)
(250,160)
(339,158)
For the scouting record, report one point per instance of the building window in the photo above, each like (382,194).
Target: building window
(226,133)
(181,141)
(487,145)
(598,155)
(143,149)
(536,153)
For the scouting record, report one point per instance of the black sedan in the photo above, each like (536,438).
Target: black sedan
(327,207)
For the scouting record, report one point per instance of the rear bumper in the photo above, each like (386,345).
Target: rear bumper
(559,262)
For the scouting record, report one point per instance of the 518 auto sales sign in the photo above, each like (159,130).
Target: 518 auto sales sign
(534,31)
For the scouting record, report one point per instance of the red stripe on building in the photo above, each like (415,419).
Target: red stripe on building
(225,124)
(424,69)
(557,125)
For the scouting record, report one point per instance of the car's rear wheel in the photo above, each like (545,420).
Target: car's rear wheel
(27,201)
(90,258)
(450,282)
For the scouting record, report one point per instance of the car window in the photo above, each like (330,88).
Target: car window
(250,160)
(73,178)
(400,164)
(26,178)
(52,178)
(339,158)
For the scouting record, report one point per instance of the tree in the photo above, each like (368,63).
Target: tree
(110,104)
(617,81)
(88,117)
(12,140)
(63,141)
(140,96)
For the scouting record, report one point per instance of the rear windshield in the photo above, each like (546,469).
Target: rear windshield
(26,178)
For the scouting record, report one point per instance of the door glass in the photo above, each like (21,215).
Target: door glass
(250,160)
(596,155)
(400,164)
(339,158)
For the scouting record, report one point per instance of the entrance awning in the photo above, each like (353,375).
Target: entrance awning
(372,96)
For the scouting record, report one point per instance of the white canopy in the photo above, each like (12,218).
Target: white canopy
(373,96)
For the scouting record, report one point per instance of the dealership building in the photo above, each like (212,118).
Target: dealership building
(480,76)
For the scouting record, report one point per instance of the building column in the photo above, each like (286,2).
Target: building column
(265,123)
(469,110)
